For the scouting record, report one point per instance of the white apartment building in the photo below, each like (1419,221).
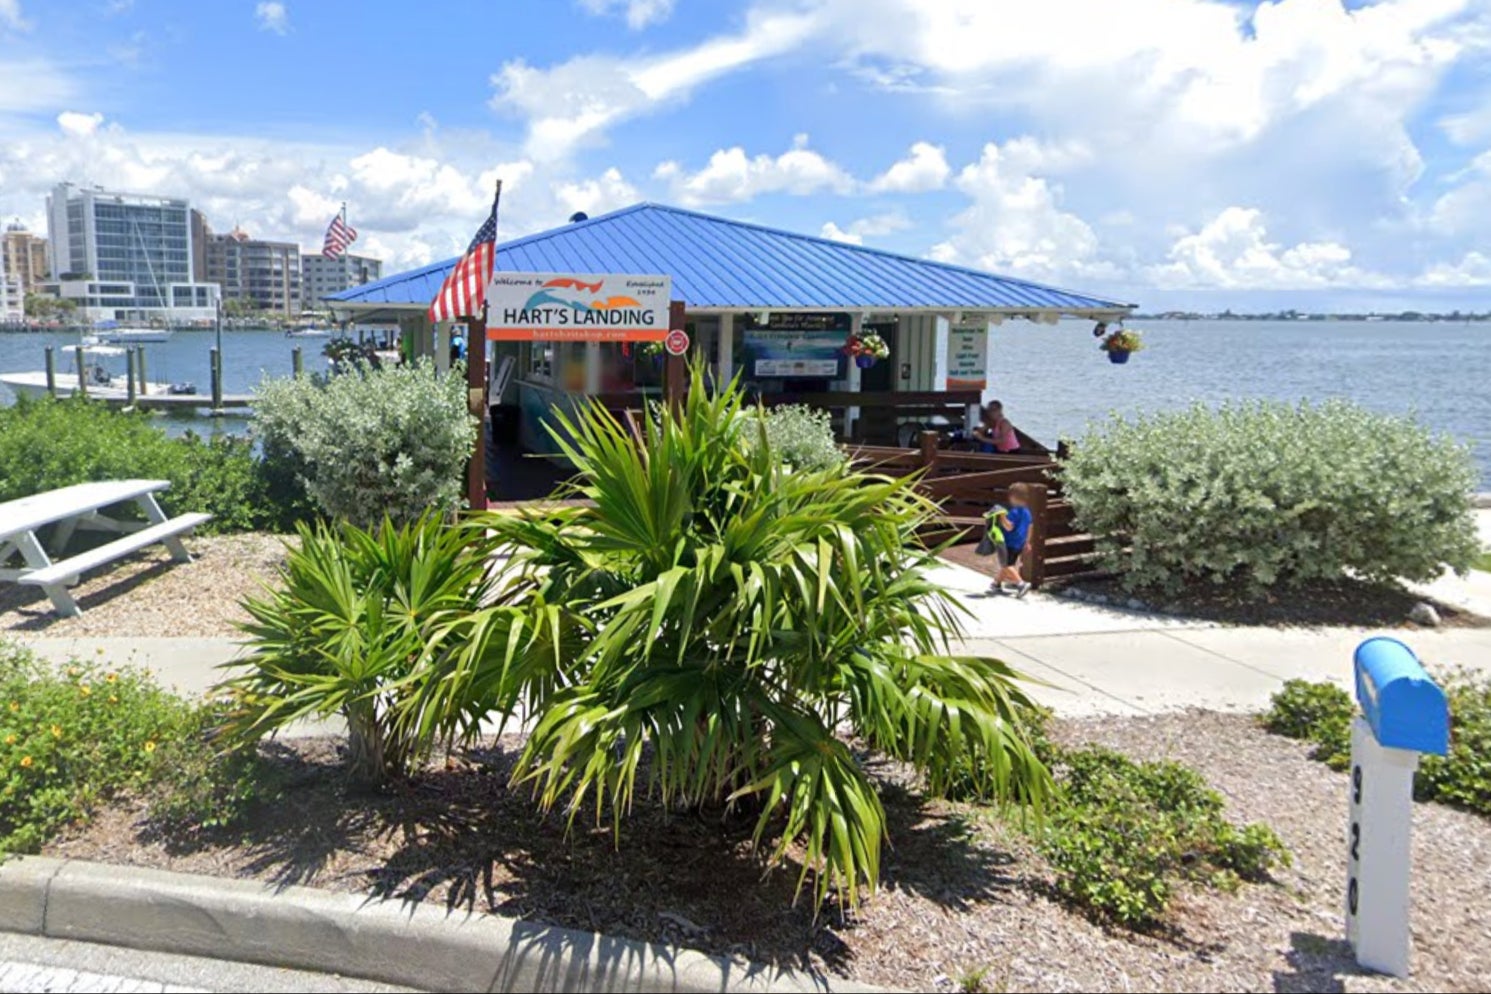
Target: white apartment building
(12,299)
(322,276)
(126,257)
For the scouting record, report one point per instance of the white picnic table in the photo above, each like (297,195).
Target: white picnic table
(81,506)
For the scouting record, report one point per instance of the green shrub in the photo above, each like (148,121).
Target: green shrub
(371,442)
(720,619)
(72,738)
(45,444)
(1462,778)
(349,631)
(1321,713)
(197,784)
(1258,494)
(1123,833)
(1318,712)
(803,437)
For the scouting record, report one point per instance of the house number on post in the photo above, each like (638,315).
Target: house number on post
(1404,714)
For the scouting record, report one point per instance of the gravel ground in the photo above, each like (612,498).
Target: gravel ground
(962,891)
(147,595)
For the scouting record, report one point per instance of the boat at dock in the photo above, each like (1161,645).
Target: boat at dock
(99,380)
(310,324)
(132,336)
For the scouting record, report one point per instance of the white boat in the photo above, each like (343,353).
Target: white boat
(102,382)
(310,324)
(132,336)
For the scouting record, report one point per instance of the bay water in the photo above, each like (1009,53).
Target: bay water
(1053,380)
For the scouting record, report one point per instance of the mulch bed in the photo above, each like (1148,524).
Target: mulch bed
(1345,602)
(148,595)
(962,891)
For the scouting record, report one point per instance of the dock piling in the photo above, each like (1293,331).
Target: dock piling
(140,369)
(297,361)
(129,376)
(217,382)
(82,372)
(51,372)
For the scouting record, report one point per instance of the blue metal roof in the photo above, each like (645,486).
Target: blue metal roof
(730,265)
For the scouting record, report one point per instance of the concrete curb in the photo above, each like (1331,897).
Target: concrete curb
(1480,501)
(393,942)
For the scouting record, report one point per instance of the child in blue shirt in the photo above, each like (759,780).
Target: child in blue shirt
(1014,524)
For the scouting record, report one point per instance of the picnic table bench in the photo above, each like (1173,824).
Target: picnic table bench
(81,506)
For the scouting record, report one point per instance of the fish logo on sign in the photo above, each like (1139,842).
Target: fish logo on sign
(565,291)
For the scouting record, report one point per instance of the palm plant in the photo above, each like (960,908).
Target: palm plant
(350,630)
(711,623)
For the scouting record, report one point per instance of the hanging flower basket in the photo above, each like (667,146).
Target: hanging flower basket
(866,348)
(1121,344)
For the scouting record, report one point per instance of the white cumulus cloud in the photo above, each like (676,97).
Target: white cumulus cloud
(571,103)
(1473,270)
(1015,222)
(639,13)
(272,15)
(11,15)
(1234,251)
(604,193)
(731,175)
(874,226)
(81,125)
(924,168)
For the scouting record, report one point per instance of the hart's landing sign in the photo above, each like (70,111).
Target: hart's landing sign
(577,307)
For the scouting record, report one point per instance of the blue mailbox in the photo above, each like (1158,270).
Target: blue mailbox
(1405,709)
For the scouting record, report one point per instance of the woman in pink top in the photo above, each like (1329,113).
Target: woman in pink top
(994,432)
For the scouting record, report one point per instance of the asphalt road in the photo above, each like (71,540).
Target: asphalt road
(29,964)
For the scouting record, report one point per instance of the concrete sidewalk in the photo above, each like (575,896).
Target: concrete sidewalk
(1221,669)
(1090,659)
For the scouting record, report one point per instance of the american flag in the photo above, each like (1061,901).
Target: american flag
(465,288)
(339,234)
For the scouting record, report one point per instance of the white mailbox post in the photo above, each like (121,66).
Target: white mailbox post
(1404,714)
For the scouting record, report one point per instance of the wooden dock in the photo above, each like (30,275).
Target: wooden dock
(186,402)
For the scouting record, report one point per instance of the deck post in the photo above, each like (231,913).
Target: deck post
(726,348)
(51,372)
(1036,542)
(675,371)
(297,362)
(129,376)
(929,443)
(851,414)
(140,368)
(476,403)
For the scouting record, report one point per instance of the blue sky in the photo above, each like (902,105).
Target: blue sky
(1308,153)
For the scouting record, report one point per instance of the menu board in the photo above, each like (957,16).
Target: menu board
(795,345)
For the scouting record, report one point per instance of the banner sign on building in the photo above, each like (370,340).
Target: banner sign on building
(967,358)
(795,345)
(578,307)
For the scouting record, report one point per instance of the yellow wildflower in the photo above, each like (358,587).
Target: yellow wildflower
(25,761)
(10,739)
(72,671)
(56,731)
(15,705)
(113,699)
(150,747)
(111,678)
(84,689)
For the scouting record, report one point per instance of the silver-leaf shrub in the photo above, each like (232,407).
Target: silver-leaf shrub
(803,437)
(1260,494)
(371,442)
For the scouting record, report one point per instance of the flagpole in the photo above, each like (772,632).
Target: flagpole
(477,383)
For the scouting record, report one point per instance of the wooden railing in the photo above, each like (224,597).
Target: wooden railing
(966,484)
(882,415)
